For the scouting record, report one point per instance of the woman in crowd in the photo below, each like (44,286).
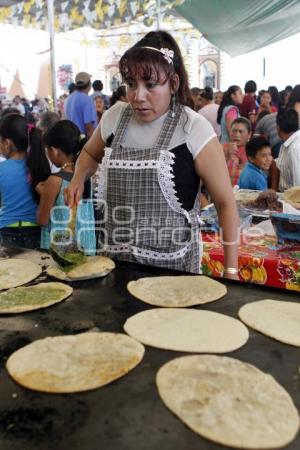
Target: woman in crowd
(47,119)
(235,152)
(196,99)
(275,98)
(119,95)
(63,144)
(154,153)
(218,95)
(25,166)
(285,95)
(209,109)
(265,103)
(229,111)
(294,100)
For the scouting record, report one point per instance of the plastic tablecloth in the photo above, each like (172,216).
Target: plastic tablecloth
(261,261)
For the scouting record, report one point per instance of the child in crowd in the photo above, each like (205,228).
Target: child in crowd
(100,107)
(256,171)
(26,165)
(235,153)
(63,144)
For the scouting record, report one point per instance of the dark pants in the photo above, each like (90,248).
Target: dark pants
(25,237)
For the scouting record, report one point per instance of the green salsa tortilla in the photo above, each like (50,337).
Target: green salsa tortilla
(30,296)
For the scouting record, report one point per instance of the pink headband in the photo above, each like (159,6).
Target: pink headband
(166,52)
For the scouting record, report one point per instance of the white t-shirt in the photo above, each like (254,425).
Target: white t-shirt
(192,129)
(288,162)
(210,112)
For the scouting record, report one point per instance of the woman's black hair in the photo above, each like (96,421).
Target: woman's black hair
(8,111)
(244,121)
(66,136)
(207,93)
(226,100)
(27,139)
(275,96)
(117,94)
(250,87)
(140,62)
(262,92)
(294,97)
(262,114)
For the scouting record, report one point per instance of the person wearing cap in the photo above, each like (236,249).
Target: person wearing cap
(79,107)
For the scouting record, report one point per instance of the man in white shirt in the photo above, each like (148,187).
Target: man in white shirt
(288,161)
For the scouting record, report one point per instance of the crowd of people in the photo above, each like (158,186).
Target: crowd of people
(259,132)
(158,142)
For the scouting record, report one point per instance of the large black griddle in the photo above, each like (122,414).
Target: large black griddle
(127,414)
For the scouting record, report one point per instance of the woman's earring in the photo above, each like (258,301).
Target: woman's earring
(173,104)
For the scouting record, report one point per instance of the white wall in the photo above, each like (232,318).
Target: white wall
(282,65)
(19,49)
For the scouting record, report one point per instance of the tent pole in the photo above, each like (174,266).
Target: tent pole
(158,9)
(50,9)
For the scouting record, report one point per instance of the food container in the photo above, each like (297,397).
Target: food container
(286,226)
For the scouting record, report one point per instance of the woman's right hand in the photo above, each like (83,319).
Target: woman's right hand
(73,193)
(232,150)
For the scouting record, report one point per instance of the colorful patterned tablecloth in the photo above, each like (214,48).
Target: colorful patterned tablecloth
(261,261)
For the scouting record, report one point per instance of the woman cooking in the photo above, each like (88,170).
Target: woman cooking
(154,152)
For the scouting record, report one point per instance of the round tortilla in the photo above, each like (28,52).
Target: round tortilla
(65,364)
(22,299)
(187,330)
(94,267)
(177,291)
(277,319)
(228,401)
(246,195)
(15,272)
(292,196)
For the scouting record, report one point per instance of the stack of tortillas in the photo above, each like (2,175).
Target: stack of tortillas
(15,272)
(277,319)
(94,267)
(177,291)
(22,299)
(292,196)
(77,363)
(187,330)
(228,401)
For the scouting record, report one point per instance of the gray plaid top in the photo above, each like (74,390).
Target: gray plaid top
(143,220)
